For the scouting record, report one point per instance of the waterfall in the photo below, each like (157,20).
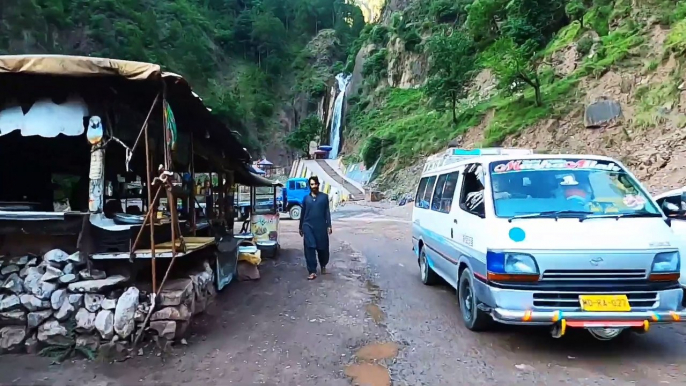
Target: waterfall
(335,140)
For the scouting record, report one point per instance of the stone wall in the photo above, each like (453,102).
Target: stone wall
(55,299)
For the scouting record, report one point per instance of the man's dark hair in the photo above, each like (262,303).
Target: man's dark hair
(313,178)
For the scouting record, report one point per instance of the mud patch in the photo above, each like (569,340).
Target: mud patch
(375,313)
(367,374)
(377,351)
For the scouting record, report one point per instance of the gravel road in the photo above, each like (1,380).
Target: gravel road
(369,322)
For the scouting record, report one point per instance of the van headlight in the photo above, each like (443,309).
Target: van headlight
(666,262)
(666,267)
(511,266)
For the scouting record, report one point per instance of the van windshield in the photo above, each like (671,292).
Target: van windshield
(587,187)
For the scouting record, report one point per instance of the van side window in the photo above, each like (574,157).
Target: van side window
(426,187)
(472,196)
(445,190)
(438,192)
(420,192)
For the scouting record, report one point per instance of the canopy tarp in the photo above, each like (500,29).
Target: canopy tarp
(255,170)
(100,80)
(244,176)
(78,66)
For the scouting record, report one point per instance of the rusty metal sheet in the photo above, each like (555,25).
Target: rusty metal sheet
(600,113)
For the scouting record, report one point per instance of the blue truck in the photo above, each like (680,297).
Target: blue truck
(289,201)
(293,193)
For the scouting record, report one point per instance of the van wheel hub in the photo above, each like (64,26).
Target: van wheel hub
(602,333)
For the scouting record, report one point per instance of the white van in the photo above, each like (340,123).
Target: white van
(673,203)
(552,240)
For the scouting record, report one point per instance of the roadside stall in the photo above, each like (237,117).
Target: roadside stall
(264,219)
(107,197)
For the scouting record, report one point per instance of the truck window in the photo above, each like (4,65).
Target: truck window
(445,190)
(426,187)
(472,196)
(300,185)
(291,185)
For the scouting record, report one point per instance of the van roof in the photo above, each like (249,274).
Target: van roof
(488,159)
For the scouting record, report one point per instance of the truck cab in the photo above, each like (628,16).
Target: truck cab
(292,195)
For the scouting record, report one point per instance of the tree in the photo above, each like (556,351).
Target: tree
(514,65)
(306,132)
(451,68)
(483,18)
(576,10)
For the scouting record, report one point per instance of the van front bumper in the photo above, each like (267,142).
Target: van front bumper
(587,319)
(510,306)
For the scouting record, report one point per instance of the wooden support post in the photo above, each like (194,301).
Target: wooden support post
(151,208)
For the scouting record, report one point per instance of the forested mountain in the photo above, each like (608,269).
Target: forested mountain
(525,73)
(243,56)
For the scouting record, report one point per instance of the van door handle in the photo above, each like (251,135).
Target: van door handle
(451,233)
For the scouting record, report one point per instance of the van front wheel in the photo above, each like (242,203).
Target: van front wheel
(473,318)
(429,277)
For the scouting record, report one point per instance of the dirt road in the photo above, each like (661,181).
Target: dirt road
(369,321)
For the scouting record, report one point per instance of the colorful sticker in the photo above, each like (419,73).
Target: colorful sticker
(517,234)
(543,164)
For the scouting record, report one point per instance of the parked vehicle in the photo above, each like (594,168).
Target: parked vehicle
(551,240)
(292,195)
(673,203)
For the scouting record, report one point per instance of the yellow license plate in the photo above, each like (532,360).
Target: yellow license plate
(604,303)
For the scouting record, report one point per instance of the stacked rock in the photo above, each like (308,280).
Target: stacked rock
(42,298)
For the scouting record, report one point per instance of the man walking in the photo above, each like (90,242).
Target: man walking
(315,228)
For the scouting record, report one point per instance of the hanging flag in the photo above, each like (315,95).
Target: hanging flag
(170,126)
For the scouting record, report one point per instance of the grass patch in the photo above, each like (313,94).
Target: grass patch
(405,129)
(598,19)
(614,47)
(650,66)
(516,113)
(676,40)
(655,101)
(563,38)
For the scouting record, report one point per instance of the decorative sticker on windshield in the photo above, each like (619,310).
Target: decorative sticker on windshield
(552,164)
(634,202)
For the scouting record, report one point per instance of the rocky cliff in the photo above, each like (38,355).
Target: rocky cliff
(613,86)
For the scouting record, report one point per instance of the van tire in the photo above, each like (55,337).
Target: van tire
(429,277)
(295,212)
(472,317)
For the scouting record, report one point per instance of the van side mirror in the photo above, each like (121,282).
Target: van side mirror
(670,208)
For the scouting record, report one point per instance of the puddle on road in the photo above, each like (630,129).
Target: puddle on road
(372,308)
(375,312)
(377,351)
(367,374)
